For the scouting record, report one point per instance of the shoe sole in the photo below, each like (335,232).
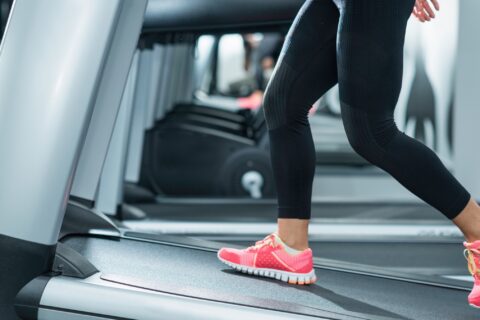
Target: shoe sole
(474,306)
(285,276)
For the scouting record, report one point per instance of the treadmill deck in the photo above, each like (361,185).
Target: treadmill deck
(198,273)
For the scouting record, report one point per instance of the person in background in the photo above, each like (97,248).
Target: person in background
(260,58)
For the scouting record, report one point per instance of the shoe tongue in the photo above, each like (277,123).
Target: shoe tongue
(277,239)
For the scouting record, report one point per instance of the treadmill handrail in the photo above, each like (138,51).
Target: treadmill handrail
(186,15)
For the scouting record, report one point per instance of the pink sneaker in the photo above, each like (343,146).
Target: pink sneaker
(472,254)
(268,258)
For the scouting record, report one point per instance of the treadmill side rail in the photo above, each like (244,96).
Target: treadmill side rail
(101,299)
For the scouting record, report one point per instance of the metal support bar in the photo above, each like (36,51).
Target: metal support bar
(111,183)
(154,84)
(107,102)
(135,144)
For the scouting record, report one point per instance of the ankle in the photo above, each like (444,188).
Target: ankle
(468,221)
(299,247)
(294,233)
(294,243)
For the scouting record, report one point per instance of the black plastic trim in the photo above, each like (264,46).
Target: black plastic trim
(187,15)
(22,261)
(70,263)
(85,202)
(28,299)
(81,219)
(215,132)
(133,194)
(129,212)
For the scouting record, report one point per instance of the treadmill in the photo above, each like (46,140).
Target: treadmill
(87,266)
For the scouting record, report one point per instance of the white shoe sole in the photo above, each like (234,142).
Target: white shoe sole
(285,276)
(474,306)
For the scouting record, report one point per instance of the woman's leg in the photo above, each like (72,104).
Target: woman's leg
(370,64)
(305,71)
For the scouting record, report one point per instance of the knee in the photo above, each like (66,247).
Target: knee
(368,135)
(364,144)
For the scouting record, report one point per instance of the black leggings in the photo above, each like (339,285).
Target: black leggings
(359,45)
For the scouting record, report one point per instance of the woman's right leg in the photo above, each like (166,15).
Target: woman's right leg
(370,64)
(305,71)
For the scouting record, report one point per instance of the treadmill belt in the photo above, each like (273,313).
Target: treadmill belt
(172,267)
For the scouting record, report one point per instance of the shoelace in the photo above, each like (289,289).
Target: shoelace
(268,240)
(469,255)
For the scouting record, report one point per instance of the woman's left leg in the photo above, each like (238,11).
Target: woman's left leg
(370,66)
(370,63)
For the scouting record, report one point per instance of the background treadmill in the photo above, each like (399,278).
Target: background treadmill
(207,134)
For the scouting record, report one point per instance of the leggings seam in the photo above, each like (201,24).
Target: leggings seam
(302,69)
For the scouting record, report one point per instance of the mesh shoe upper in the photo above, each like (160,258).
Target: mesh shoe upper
(269,253)
(472,254)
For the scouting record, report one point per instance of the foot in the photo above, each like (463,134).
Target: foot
(472,254)
(268,258)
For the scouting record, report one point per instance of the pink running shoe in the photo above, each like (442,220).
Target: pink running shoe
(268,258)
(472,254)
